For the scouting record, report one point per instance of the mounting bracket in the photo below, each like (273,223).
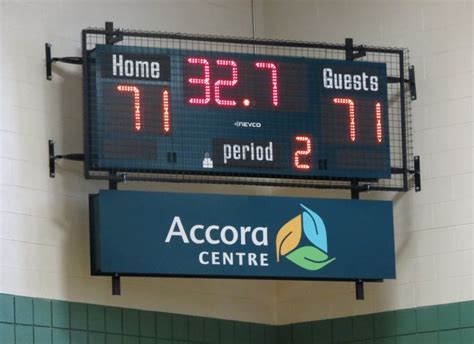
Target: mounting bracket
(411,81)
(53,158)
(50,60)
(350,54)
(116,287)
(417,172)
(359,284)
(112,37)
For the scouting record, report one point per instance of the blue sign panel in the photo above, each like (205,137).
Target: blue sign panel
(220,113)
(197,235)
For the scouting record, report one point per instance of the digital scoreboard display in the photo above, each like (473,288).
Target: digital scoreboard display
(161,110)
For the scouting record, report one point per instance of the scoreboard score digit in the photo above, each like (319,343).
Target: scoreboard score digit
(162,110)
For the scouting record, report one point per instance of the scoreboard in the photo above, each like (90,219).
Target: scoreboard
(163,110)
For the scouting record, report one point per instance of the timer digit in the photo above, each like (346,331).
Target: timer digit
(204,81)
(274,74)
(228,83)
(234,85)
(352,124)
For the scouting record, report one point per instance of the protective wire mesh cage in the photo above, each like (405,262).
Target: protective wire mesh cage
(188,108)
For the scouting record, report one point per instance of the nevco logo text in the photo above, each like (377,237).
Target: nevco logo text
(240,124)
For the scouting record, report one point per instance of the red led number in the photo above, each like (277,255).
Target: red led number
(137,116)
(274,75)
(299,155)
(137,112)
(352,125)
(378,122)
(352,118)
(204,81)
(166,112)
(228,83)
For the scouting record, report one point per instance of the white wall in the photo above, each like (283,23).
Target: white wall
(44,222)
(434,228)
(44,250)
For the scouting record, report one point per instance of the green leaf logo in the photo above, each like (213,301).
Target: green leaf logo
(289,236)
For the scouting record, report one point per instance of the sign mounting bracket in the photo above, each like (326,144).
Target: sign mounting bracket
(53,157)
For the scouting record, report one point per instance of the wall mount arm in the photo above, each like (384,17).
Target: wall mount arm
(50,60)
(53,157)
(416,172)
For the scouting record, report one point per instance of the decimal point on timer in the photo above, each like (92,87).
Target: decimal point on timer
(246,102)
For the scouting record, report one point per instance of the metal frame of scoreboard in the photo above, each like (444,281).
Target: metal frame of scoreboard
(401,172)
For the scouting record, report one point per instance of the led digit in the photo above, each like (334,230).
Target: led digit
(204,81)
(166,112)
(378,122)
(297,156)
(271,66)
(352,115)
(228,83)
(137,116)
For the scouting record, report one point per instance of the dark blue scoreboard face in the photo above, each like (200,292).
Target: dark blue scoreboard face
(173,111)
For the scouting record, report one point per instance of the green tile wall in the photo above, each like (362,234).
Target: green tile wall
(26,320)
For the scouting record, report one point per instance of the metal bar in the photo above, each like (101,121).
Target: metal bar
(68,59)
(350,55)
(349,48)
(359,290)
(412,81)
(109,35)
(238,40)
(253,19)
(52,163)
(397,170)
(355,190)
(73,156)
(230,182)
(92,235)
(113,182)
(417,166)
(403,121)
(99,273)
(47,48)
(349,43)
(395,80)
(116,289)
(85,102)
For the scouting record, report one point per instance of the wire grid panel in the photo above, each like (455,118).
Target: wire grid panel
(207,109)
